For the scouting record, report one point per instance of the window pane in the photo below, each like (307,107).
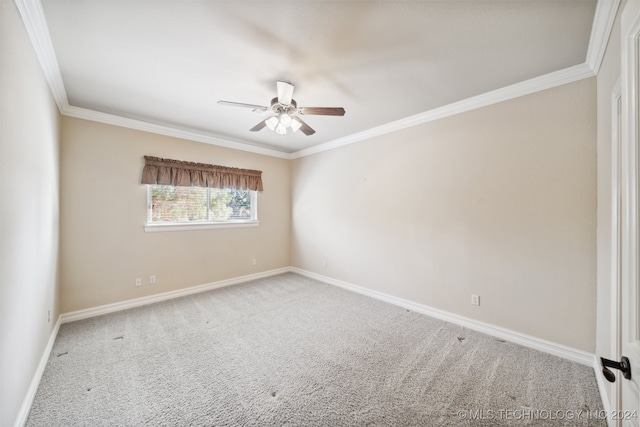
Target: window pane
(178,204)
(168,204)
(240,204)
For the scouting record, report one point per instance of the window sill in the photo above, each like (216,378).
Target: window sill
(198,226)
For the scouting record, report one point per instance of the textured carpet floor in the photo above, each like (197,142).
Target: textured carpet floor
(288,350)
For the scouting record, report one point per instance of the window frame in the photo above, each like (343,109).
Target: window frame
(200,225)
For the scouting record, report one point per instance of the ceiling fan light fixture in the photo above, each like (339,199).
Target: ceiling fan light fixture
(285,120)
(272,122)
(281,122)
(295,125)
(282,130)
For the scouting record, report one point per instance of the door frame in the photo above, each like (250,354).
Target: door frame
(616,240)
(629,397)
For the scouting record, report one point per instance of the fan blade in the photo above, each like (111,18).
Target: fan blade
(256,108)
(259,126)
(322,111)
(285,93)
(305,128)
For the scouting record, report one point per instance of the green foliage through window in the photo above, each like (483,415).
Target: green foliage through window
(169,204)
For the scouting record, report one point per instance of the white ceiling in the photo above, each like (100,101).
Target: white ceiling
(168,62)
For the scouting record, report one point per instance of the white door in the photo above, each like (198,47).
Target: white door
(630,199)
(616,242)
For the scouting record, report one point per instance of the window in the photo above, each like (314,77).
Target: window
(198,195)
(169,205)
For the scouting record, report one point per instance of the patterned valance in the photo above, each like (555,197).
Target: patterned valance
(188,174)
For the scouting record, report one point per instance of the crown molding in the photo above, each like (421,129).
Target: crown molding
(112,119)
(38,31)
(547,81)
(603,20)
(36,25)
(605,16)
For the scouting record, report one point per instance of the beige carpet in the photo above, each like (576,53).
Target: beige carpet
(288,350)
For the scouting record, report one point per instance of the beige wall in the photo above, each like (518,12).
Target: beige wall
(104,246)
(499,202)
(607,78)
(29,213)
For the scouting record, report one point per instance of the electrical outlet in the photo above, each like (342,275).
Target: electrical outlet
(254,262)
(48,316)
(138,281)
(475,299)
(152,279)
(324,263)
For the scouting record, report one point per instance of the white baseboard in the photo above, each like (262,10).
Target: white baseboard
(560,350)
(110,308)
(556,349)
(124,305)
(35,381)
(540,344)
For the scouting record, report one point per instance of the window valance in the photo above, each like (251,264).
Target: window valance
(188,174)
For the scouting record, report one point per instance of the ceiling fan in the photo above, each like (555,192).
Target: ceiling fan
(283,107)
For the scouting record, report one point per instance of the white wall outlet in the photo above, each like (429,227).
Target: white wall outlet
(48,316)
(324,263)
(254,262)
(138,281)
(475,299)
(152,279)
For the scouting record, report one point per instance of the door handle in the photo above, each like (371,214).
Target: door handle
(623,365)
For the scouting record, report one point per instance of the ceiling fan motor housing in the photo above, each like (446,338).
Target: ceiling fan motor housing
(282,108)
